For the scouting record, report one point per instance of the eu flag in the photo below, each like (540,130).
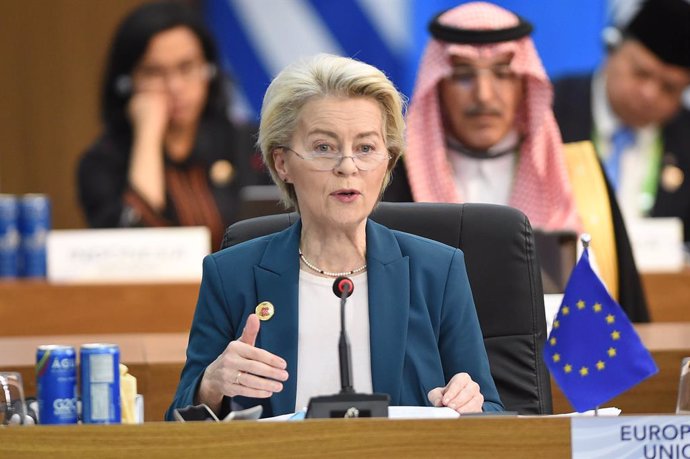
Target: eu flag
(593,351)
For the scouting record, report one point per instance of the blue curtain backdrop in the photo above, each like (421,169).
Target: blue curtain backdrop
(259,37)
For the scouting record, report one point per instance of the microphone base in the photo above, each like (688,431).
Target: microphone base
(349,406)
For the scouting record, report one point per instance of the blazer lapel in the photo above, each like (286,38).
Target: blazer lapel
(277,281)
(389,303)
(277,278)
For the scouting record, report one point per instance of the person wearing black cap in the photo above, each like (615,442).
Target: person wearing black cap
(481,129)
(631,109)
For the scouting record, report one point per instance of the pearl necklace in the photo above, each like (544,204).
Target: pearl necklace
(328,273)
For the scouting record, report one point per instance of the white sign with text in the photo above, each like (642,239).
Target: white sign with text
(127,254)
(657,244)
(649,437)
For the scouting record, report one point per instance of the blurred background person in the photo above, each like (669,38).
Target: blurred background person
(481,129)
(631,108)
(50,75)
(331,131)
(389,34)
(168,154)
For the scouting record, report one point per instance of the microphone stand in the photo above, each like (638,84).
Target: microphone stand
(347,403)
(344,353)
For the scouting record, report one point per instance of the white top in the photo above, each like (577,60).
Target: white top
(635,160)
(318,368)
(487,180)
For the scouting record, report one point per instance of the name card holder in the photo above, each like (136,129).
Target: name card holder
(657,244)
(654,437)
(127,254)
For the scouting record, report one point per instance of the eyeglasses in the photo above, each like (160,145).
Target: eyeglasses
(466,75)
(148,78)
(365,160)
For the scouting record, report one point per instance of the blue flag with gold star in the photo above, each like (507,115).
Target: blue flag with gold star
(593,351)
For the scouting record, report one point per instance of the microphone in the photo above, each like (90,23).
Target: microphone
(343,288)
(347,403)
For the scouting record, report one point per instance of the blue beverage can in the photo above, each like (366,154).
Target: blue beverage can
(34,224)
(9,236)
(56,384)
(100,383)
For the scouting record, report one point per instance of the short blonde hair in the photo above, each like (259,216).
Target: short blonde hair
(317,77)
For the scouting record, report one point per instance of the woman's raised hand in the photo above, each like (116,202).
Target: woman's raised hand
(148,113)
(242,369)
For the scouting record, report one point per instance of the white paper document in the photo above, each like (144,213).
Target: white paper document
(611,411)
(394,412)
(421,412)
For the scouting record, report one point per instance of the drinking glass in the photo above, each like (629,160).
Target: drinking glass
(12,403)
(683,405)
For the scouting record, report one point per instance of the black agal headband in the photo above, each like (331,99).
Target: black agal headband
(452,34)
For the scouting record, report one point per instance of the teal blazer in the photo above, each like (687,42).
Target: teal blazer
(423,323)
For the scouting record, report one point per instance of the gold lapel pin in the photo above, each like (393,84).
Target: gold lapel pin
(222,173)
(265,310)
(672,178)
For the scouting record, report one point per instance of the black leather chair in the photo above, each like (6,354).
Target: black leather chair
(504,274)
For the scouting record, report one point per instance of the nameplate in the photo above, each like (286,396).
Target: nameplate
(657,244)
(127,254)
(650,437)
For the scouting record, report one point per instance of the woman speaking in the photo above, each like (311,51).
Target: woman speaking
(266,325)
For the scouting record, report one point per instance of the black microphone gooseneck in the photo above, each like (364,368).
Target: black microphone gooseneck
(347,403)
(343,288)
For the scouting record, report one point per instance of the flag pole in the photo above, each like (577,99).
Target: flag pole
(586,239)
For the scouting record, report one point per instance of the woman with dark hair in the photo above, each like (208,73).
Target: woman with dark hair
(168,154)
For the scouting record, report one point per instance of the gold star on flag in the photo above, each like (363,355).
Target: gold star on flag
(600,365)
(568,368)
(565,310)
(556,357)
(584,371)
(580,304)
(615,335)
(610,319)
(556,324)
(611,352)
(597,307)
(552,341)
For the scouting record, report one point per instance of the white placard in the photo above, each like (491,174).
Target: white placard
(657,243)
(127,254)
(631,437)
